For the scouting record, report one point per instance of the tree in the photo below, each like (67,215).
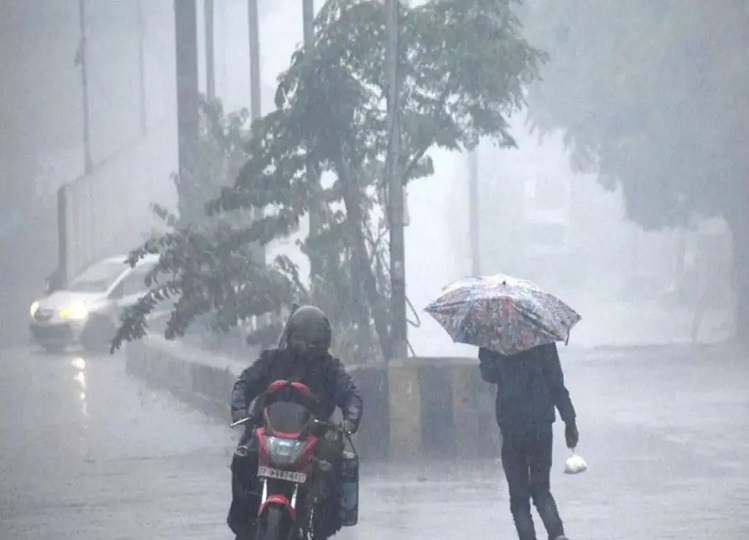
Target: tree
(221,141)
(221,146)
(654,95)
(463,70)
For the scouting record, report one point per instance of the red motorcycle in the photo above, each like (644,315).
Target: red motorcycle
(294,471)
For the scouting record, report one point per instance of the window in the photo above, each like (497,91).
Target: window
(98,277)
(135,282)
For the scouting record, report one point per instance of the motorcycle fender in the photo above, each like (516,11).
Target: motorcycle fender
(278,500)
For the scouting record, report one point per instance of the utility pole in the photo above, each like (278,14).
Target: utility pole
(222,45)
(473,211)
(308,17)
(395,190)
(142,67)
(253,24)
(186,41)
(315,211)
(80,59)
(210,61)
(255,98)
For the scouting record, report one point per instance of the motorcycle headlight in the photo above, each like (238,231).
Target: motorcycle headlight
(75,312)
(33,308)
(284,452)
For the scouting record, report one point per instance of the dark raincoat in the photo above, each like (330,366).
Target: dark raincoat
(327,379)
(530,385)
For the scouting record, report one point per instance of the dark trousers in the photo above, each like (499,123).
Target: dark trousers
(245,489)
(526,458)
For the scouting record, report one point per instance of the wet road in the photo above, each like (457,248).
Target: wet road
(87,453)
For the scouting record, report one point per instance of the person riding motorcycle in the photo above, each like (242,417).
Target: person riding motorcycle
(305,359)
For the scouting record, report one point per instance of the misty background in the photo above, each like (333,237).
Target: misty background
(538,218)
(651,93)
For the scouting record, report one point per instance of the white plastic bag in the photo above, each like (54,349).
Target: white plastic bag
(575,464)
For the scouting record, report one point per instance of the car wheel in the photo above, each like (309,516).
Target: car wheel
(97,335)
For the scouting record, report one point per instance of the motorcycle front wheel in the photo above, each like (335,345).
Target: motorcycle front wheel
(274,525)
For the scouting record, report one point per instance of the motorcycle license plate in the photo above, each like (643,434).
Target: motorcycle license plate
(277,474)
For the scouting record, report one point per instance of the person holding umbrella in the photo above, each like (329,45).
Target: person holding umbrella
(530,385)
(515,325)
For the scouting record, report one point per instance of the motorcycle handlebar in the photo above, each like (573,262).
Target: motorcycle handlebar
(240,422)
(319,423)
(324,424)
(333,426)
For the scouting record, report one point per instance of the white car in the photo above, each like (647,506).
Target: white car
(88,308)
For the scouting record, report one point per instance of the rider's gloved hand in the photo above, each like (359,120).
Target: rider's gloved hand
(348,427)
(571,435)
(238,414)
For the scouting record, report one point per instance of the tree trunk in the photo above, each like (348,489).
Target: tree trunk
(738,220)
(188,114)
(363,320)
(355,221)
(740,229)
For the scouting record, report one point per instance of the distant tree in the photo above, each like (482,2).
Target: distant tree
(222,138)
(654,94)
(463,69)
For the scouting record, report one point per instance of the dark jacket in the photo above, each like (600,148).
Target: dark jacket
(327,378)
(530,385)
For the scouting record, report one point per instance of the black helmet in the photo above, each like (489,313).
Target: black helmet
(308,332)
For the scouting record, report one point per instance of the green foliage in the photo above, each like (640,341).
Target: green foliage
(463,67)
(654,94)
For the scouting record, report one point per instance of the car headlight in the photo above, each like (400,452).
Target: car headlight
(75,312)
(284,452)
(33,308)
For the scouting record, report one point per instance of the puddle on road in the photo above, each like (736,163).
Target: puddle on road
(79,364)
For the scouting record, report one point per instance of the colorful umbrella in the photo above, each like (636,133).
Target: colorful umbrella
(502,313)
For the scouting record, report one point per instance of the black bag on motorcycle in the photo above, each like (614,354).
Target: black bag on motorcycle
(348,489)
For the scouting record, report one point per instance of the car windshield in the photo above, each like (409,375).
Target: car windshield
(98,277)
